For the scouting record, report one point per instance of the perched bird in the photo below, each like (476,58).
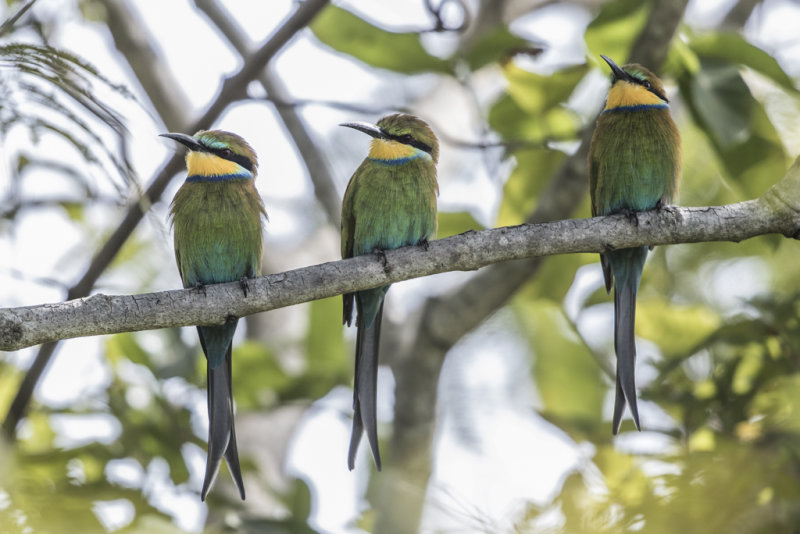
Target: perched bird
(634,165)
(389,203)
(217,215)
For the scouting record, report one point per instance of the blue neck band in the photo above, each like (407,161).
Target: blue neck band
(637,107)
(398,161)
(217,178)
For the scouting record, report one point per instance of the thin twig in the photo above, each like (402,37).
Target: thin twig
(8,24)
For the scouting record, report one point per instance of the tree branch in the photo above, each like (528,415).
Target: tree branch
(232,89)
(102,314)
(131,39)
(316,165)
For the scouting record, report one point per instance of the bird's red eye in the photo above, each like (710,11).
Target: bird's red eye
(407,138)
(225,152)
(646,84)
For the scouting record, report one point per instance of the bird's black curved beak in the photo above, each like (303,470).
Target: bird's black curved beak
(619,74)
(367,128)
(186,140)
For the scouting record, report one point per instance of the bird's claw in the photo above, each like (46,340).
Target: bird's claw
(631,215)
(200,286)
(384,260)
(425,244)
(244,284)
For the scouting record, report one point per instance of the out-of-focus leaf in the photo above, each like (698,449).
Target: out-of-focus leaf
(454,223)
(778,403)
(626,482)
(532,109)
(328,362)
(567,377)
(732,47)
(125,345)
(495,46)
(300,504)
(747,144)
(724,102)
(535,93)
(10,378)
(676,329)
(749,367)
(153,524)
(74,210)
(39,434)
(352,35)
(521,192)
(555,277)
(615,28)
(702,440)
(258,377)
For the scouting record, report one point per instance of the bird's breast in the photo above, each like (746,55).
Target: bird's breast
(217,231)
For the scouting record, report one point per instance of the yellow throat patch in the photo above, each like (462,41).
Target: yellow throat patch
(623,94)
(387,149)
(207,164)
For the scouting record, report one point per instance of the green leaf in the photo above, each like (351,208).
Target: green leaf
(10,378)
(535,93)
(329,364)
(676,329)
(723,102)
(732,47)
(497,45)
(521,191)
(454,223)
(567,377)
(74,210)
(126,346)
(778,402)
(352,35)
(746,142)
(555,276)
(615,28)
(257,375)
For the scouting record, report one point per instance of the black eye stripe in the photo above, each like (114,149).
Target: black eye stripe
(412,142)
(651,88)
(236,158)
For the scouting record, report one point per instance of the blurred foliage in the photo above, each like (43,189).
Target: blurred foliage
(726,370)
(47,91)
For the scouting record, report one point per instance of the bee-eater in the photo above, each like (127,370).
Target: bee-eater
(634,165)
(389,203)
(217,216)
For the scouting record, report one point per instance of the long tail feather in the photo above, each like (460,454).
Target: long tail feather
(221,433)
(624,344)
(364,395)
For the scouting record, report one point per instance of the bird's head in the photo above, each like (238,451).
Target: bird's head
(633,85)
(217,155)
(398,137)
